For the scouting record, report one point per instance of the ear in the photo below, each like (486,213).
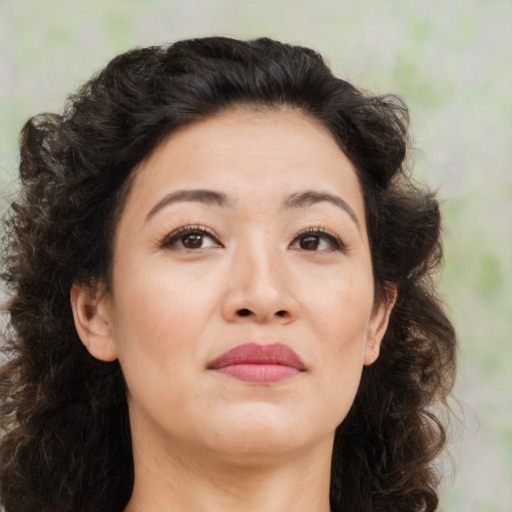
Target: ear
(92,314)
(378,324)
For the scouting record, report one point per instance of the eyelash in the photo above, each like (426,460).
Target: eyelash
(181,232)
(321,233)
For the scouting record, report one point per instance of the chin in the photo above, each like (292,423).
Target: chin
(267,433)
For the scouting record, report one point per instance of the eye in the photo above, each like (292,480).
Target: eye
(317,240)
(190,238)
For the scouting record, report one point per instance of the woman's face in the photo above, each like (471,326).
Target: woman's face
(241,307)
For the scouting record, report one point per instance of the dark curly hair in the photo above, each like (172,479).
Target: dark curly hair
(65,439)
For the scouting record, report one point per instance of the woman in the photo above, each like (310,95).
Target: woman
(221,295)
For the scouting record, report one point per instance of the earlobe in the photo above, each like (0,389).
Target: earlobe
(92,316)
(379,324)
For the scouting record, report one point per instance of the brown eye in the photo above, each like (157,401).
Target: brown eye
(192,241)
(190,238)
(317,240)
(309,243)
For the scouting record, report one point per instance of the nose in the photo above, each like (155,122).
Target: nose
(260,288)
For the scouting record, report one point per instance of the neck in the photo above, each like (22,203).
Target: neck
(205,482)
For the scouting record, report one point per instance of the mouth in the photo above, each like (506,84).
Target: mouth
(259,364)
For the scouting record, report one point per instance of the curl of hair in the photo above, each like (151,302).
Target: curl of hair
(65,440)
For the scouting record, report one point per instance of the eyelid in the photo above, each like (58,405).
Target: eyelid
(321,232)
(177,233)
(325,233)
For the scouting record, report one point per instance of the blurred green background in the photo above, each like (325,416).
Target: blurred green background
(450,60)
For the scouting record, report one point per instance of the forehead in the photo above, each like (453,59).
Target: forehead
(249,153)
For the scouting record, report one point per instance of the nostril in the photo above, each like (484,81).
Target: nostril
(243,312)
(282,312)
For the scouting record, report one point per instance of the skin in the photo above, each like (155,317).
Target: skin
(204,441)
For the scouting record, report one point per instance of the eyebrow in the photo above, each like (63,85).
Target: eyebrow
(211,197)
(208,197)
(310,197)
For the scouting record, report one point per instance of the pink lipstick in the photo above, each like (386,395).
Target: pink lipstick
(259,364)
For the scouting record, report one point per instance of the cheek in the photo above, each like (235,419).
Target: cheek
(163,317)
(158,295)
(341,306)
(340,314)
(158,325)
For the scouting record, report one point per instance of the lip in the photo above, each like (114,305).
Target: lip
(259,364)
